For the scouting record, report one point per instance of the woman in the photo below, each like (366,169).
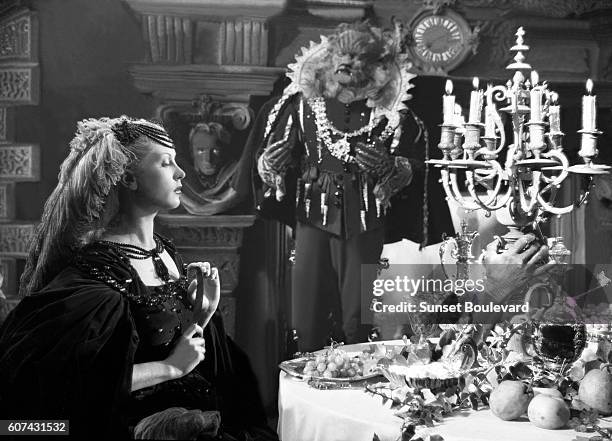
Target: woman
(110,330)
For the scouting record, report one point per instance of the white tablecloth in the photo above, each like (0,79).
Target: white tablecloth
(307,414)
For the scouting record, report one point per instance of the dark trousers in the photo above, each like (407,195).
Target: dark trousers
(327,277)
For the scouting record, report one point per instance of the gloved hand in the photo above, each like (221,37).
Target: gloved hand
(374,159)
(276,157)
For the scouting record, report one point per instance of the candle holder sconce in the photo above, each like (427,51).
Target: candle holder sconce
(522,190)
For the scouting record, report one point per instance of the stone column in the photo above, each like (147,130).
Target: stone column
(19,85)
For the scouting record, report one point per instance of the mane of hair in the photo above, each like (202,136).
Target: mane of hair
(75,211)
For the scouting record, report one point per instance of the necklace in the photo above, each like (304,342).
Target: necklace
(134,252)
(341,148)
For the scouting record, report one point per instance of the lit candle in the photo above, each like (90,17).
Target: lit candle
(535,96)
(589,113)
(475,103)
(489,118)
(554,113)
(448,104)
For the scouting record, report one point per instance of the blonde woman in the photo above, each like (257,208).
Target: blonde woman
(110,328)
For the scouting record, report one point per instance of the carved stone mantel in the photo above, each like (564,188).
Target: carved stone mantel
(209,8)
(182,84)
(215,239)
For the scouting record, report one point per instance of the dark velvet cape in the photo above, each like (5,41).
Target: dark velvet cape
(407,214)
(67,352)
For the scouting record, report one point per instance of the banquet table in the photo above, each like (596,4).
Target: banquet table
(308,414)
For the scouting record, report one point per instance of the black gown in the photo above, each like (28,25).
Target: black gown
(67,352)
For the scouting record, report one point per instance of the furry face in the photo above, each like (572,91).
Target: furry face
(357,64)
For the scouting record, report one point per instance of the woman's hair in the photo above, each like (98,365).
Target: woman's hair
(86,197)
(179,423)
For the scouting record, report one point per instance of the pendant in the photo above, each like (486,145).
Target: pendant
(341,147)
(160,268)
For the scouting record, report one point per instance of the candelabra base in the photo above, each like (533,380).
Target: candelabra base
(438,163)
(537,164)
(468,163)
(590,169)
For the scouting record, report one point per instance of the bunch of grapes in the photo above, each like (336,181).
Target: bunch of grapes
(334,363)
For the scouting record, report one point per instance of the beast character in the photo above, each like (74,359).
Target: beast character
(340,157)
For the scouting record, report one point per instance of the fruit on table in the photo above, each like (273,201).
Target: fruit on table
(335,363)
(596,390)
(509,400)
(548,412)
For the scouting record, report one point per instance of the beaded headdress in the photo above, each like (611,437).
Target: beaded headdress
(127,131)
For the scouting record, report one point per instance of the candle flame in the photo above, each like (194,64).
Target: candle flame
(554,97)
(589,86)
(475,82)
(535,78)
(449,87)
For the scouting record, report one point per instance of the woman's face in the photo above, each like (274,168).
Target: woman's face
(158,179)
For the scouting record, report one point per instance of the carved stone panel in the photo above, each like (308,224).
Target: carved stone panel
(205,231)
(8,277)
(19,162)
(19,84)
(570,62)
(7,201)
(228,263)
(18,36)
(6,126)
(548,8)
(170,39)
(227,307)
(243,42)
(15,239)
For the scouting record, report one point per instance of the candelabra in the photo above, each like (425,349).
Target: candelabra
(522,187)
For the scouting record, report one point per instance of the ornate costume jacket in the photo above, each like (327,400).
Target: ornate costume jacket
(337,196)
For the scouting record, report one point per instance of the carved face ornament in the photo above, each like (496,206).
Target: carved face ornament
(205,153)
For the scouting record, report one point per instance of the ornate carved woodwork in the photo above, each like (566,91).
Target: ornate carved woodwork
(15,239)
(20,162)
(7,201)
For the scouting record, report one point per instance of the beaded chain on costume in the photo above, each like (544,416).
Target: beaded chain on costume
(134,252)
(341,148)
(425,133)
(159,294)
(162,293)
(274,112)
(101,273)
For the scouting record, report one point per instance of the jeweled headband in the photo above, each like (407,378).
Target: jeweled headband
(129,131)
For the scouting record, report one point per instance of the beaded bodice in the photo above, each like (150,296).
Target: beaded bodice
(161,315)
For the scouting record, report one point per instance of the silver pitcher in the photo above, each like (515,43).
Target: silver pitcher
(461,251)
